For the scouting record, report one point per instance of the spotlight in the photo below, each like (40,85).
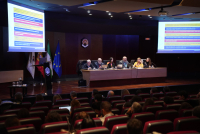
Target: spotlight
(88,11)
(90,14)
(111,16)
(131,18)
(109,13)
(149,15)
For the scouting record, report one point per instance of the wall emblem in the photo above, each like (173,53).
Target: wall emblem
(47,71)
(84,43)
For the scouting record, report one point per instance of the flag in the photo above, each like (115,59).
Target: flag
(31,63)
(57,61)
(49,59)
(40,68)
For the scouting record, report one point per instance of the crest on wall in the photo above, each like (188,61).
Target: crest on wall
(84,43)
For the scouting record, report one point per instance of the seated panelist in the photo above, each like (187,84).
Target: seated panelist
(111,64)
(138,64)
(148,63)
(99,63)
(88,65)
(124,62)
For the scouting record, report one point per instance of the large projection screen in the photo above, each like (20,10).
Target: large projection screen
(26,32)
(179,37)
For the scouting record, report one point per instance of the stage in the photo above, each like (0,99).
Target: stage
(66,87)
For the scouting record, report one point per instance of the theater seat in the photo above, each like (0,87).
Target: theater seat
(42,108)
(159,102)
(78,123)
(185,112)
(178,101)
(47,103)
(60,111)
(167,114)
(12,111)
(5,116)
(53,127)
(184,132)
(80,109)
(187,123)
(26,105)
(144,116)
(157,95)
(114,120)
(22,129)
(115,111)
(85,104)
(113,102)
(119,106)
(62,102)
(65,116)
(173,106)
(115,97)
(83,100)
(144,95)
(124,110)
(57,106)
(96,130)
(119,129)
(92,114)
(160,126)
(36,121)
(38,113)
(170,94)
(141,103)
(153,108)
(128,97)
(192,96)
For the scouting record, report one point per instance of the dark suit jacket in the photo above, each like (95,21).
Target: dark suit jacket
(109,65)
(85,66)
(97,64)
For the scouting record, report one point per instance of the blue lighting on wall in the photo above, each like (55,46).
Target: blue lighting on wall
(141,10)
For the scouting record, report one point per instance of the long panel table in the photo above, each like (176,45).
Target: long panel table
(116,77)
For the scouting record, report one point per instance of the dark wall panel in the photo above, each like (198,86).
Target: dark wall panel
(96,46)
(109,47)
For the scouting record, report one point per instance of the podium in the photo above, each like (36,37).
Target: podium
(47,74)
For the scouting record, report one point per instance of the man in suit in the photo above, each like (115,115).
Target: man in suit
(88,65)
(124,62)
(99,63)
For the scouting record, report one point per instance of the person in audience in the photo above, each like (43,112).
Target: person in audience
(139,63)
(39,97)
(185,105)
(148,101)
(18,98)
(23,113)
(74,104)
(56,97)
(123,63)
(110,93)
(11,122)
(134,126)
(53,117)
(106,110)
(94,92)
(124,92)
(183,95)
(135,99)
(97,104)
(148,63)
(166,89)
(81,115)
(99,63)
(111,64)
(153,90)
(88,65)
(196,112)
(73,95)
(126,104)
(138,92)
(135,108)
(168,100)
(88,123)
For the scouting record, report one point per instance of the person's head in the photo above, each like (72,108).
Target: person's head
(139,60)
(88,123)
(82,115)
(127,104)
(98,98)
(73,95)
(148,101)
(124,92)
(136,107)
(94,92)
(111,59)
(153,90)
(75,103)
(134,126)
(166,89)
(23,113)
(110,93)
(11,122)
(138,91)
(56,97)
(53,117)
(196,111)
(106,107)
(39,97)
(135,99)
(18,97)
(183,95)
(124,58)
(168,100)
(148,60)
(185,105)
(99,60)
(88,62)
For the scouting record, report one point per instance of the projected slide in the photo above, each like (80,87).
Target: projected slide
(179,37)
(26,29)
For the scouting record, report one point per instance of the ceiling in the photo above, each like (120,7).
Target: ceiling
(121,9)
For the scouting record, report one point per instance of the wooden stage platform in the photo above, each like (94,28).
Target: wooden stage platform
(66,87)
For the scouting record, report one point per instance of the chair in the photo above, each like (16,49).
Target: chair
(160,126)
(166,114)
(36,121)
(119,129)
(144,95)
(38,113)
(170,94)
(60,111)
(141,103)
(113,120)
(153,108)
(176,97)
(185,112)
(178,101)
(113,102)
(157,95)
(124,110)
(47,103)
(42,108)
(128,97)
(192,96)
(184,132)
(95,130)
(62,102)
(26,105)
(119,106)
(159,102)
(57,106)
(115,97)
(173,106)
(144,116)
(115,111)
(80,109)
(187,123)
(53,127)
(83,100)
(85,104)
(65,116)
(78,123)
(5,116)
(22,129)
(193,101)
(12,111)
(92,114)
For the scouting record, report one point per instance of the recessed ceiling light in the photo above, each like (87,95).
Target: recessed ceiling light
(90,14)
(149,15)
(111,16)
(107,11)
(131,18)
(88,11)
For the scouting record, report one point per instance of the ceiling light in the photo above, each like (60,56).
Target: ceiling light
(111,16)
(162,12)
(90,14)
(149,15)
(109,13)
(88,11)
(131,18)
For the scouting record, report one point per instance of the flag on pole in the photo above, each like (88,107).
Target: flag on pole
(49,59)
(31,63)
(57,61)
(40,68)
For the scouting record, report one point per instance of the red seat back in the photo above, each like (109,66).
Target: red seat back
(119,106)
(157,95)
(144,95)
(115,97)
(144,116)
(85,104)
(167,114)
(77,124)
(83,100)
(153,108)
(12,111)
(170,94)
(57,106)
(60,111)
(113,102)
(36,121)
(175,106)
(115,111)
(22,129)
(185,112)
(38,113)
(95,130)
(26,105)
(184,132)
(62,102)
(5,116)
(128,97)
(119,129)
(47,103)
(42,108)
